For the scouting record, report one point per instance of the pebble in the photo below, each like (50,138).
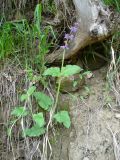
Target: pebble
(117,115)
(86,158)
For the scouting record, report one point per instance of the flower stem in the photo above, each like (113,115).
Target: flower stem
(59,82)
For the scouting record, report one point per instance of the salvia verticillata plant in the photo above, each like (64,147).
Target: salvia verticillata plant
(44,101)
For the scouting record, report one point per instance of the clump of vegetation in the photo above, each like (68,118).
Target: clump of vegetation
(29,41)
(38,120)
(115,3)
(23,38)
(30,115)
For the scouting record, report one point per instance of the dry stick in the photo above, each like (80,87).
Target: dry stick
(113,56)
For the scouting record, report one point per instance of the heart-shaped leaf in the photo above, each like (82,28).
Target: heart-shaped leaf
(39,119)
(53,71)
(34,131)
(31,90)
(44,101)
(19,111)
(63,117)
(69,70)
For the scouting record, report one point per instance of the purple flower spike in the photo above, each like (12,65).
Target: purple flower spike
(67,36)
(76,24)
(71,37)
(74,29)
(65,47)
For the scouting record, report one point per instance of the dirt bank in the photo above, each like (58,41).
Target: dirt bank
(94,119)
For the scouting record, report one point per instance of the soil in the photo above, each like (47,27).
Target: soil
(94,133)
(93,116)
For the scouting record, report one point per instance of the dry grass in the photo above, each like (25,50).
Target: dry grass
(13,81)
(114,82)
(114,76)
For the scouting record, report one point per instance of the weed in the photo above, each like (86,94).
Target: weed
(37,125)
(44,102)
(6,41)
(115,3)
(29,40)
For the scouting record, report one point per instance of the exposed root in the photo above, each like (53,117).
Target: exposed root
(116,144)
(114,81)
(114,77)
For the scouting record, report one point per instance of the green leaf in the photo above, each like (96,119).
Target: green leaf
(39,119)
(37,16)
(44,101)
(23,97)
(86,73)
(31,90)
(19,111)
(63,117)
(34,131)
(53,71)
(69,70)
(75,83)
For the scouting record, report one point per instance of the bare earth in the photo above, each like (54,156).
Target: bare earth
(94,134)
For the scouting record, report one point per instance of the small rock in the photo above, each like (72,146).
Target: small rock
(89,75)
(117,115)
(72,83)
(86,158)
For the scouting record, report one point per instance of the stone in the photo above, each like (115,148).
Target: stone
(72,83)
(86,158)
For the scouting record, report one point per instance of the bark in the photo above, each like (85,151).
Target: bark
(96,23)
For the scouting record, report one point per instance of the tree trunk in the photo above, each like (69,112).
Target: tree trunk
(95,24)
